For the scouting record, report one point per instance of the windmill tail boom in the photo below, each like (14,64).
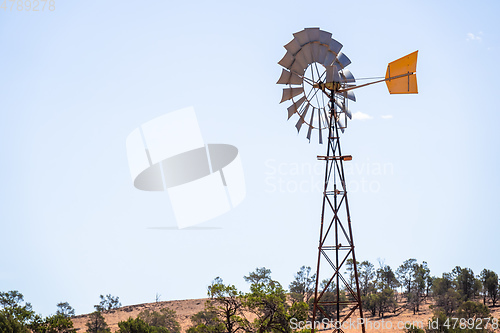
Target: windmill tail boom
(400,77)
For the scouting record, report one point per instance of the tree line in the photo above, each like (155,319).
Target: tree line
(451,292)
(459,294)
(269,307)
(17,316)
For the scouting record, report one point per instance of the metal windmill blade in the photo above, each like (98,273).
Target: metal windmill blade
(313,60)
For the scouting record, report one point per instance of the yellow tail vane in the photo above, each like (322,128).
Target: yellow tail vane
(401,75)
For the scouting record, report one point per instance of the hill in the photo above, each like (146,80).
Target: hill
(186,308)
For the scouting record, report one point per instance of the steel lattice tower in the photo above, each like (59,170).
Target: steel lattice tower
(336,244)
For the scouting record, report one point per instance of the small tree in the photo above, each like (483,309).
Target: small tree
(14,315)
(465,282)
(65,309)
(57,323)
(489,280)
(330,309)
(166,318)
(302,287)
(493,287)
(11,299)
(96,323)
(405,274)
(370,303)
(206,321)
(138,325)
(226,302)
(133,326)
(330,288)
(428,284)
(386,278)
(268,302)
(107,303)
(9,324)
(420,275)
(366,275)
(446,298)
(470,309)
(260,275)
(350,271)
(386,302)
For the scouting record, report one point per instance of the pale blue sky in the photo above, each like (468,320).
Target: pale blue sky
(76,81)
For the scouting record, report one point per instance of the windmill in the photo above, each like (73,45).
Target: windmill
(320,87)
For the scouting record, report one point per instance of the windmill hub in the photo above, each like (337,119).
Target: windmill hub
(332,86)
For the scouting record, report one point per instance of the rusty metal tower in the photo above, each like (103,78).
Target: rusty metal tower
(320,86)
